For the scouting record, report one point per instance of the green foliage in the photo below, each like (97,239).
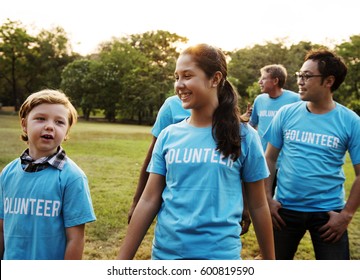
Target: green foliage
(349,92)
(78,84)
(30,63)
(128,80)
(355,106)
(50,54)
(111,155)
(15,47)
(245,65)
(152,83)
(253,91)
(130,77)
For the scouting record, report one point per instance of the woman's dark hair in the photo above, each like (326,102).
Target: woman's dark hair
(329,64)
(226,118)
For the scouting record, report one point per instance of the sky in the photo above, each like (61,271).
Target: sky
(228,24)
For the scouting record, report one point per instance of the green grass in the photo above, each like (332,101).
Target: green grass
(111,155)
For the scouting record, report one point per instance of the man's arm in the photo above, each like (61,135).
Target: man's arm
(338,222)
(271,155)
(353,201)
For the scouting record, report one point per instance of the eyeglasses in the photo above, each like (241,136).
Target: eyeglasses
(305,76)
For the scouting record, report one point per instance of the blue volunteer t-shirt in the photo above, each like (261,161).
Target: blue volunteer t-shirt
(170,112)
(37,207)
(265,108)
(310,177)
(202,201)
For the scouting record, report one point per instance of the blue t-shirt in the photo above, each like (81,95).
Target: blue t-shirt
(202,201)
(310,177)
(37,207)
(170,112)
(265,108)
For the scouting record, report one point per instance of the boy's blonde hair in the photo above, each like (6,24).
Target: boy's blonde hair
(47,96)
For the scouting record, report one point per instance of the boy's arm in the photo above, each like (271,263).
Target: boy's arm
(2,239)
(75,242)
(144,175)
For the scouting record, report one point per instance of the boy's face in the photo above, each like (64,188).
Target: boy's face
(46,126)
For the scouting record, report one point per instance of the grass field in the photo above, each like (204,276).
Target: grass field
(111,155)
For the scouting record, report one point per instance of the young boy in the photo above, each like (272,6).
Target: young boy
(44,195)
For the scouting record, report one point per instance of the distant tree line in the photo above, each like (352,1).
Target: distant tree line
(129,78)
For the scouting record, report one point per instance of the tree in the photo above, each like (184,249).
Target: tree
(77,83)
(139,74)
(118,62)
(28,63)
(15,45)
(51,53)
(160,47)
(349,92)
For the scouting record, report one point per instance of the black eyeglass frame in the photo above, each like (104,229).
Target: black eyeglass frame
(305,76)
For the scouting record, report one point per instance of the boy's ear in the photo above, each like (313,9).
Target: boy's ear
(23,124)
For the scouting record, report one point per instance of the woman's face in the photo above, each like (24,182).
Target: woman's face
(192,85)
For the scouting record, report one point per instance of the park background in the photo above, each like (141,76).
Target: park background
(111,155)
(119,85)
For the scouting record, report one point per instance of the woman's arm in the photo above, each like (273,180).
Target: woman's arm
(144,214)
(261,218)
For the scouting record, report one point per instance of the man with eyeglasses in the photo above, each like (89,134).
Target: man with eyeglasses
(313,137)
